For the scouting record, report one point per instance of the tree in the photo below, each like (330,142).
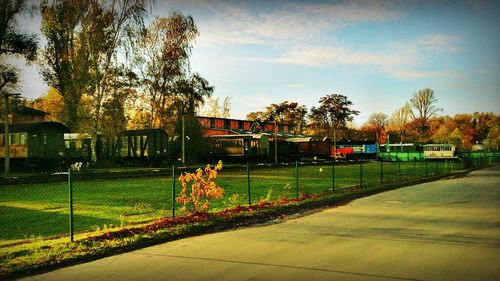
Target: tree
(284,112)
(333,114)
(51,103)
(162,59)
(213,107)
(399,121)
(13,42)
(377,123)
(423,104)
(102,32)
(65,65)
(492,141)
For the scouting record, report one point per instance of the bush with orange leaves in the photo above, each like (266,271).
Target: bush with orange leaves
(202,188)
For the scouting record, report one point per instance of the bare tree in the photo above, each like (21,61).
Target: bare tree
(423,104)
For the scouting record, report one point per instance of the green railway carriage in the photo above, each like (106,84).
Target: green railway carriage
(148,144)
(40,140)
(246,146)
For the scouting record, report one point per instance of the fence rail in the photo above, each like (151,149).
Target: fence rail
(39,210)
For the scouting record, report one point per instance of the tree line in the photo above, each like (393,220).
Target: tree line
(418,121)
(109,69)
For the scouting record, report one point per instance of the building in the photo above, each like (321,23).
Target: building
(226,126)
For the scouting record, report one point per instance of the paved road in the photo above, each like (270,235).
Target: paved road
(446,230)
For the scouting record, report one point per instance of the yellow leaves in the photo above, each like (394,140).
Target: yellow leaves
(202,188)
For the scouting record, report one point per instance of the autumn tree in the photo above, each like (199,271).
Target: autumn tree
(333,113)
(399,121)
(51,103)
(13,42)
(424,106)
(284,112)
(83,42)
(161,59)
(376,124)
(214,108)
(65,57)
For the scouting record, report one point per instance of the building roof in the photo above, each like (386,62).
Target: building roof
(21,109)
(140,132)
(29,127)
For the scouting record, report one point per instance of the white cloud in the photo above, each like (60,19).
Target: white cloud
(402,60)
(261,23)
(295,86)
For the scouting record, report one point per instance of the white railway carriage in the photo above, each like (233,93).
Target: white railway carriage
(439,151)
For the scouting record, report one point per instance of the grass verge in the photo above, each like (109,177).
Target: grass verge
(45,255)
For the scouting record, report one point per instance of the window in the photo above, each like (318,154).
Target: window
(240,125)
(22,138)
(212,123)
(227,124)
(281,128)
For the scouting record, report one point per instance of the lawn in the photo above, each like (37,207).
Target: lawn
(32,211)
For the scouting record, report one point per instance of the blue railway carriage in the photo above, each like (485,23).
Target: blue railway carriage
(39,143)
(439,151)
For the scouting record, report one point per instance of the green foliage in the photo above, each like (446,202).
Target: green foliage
(13,42)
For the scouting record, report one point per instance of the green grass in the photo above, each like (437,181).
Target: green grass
(32,211)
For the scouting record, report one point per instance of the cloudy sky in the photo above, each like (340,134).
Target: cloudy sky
(375,52)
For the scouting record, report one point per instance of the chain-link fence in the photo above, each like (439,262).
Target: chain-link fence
(84,203)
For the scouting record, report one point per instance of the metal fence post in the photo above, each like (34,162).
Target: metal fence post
(414,168)
(297,178)
(70,188)
(248,185)
(333,174)
(399,167)
(361,173)
(381,172)
(173,191)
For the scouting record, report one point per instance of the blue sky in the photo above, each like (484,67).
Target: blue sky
(375,52)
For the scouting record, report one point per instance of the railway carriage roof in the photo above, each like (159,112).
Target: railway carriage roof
(140,132)
(307,139)
(29,127)
(255,136)
(438,144)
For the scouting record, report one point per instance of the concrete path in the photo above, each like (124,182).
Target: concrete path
(446,230)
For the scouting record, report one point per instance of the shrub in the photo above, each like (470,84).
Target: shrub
(201,188)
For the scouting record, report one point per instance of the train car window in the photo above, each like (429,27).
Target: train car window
(240,125)
(22,138)
(227,124)
(212,123)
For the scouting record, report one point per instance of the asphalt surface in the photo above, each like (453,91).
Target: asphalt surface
(445,230)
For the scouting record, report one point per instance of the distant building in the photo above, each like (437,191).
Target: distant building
(226,126)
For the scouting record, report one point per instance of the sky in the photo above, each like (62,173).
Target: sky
(377,53)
